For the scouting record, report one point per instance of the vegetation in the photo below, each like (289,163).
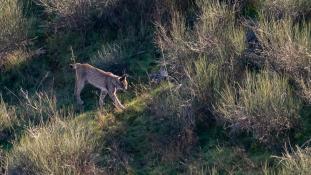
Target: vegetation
(60,147)
(13,25)
(7,115)
(236,99)
(264,105)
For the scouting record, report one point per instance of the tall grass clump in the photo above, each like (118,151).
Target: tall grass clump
(72,14)
(222,160)
(172,109)
(297,9)
(14,26)
(263,105)
(286,47)
(205,54)
(296,162)
(218,30)
(60,147)
(37,108)
(109,54)
(293,161)
(206,79)
(7,116)
(215,33)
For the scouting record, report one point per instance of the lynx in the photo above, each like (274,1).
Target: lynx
(107,82)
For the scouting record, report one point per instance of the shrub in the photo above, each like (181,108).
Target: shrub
(38,107)
(297,162)
(74,14)
(285,44)
(109,54)
(60,147)
(205,52)
(115,159)
(206,79)
(14,58)
(263,105)
(222,160)
(218,30)
(171,110)
(297,9)
(286,47)
(14,26)
(7,116)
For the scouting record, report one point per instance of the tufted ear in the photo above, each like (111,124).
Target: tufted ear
(123,77)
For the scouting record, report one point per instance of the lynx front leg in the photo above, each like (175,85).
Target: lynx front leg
(115,99)
(103,94)
(79,86)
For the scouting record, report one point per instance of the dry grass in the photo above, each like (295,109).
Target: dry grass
(263,105)
(293,161)
(7,116)
(38,107)
(294,8)
(207,53)
(286,44)
(173,108)
(72,14)
(109,54)
(286,47)
(14,26)
(215,34)
(222,160)
(296,162)
(60,147)
(206,79)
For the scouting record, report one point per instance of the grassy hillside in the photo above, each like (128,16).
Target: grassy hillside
(237,99)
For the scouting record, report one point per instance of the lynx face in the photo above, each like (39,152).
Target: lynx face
(123,83)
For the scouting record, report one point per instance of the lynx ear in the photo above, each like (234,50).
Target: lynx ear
(123,77)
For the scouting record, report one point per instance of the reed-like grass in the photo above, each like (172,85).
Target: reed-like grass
(286,48)
(264,105)
(14,26)
(8,116)
(72,14)
(59,147)
(297,161)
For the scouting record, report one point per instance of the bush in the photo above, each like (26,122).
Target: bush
(14,26)
(263,105)
(172,111)
(297,162)
(73,14)
(205,52)
(38,107)
(7,117)
(297,9)
(109,54)
(293,161)
(60,147)
(222,160)
(206,79)
(286,47)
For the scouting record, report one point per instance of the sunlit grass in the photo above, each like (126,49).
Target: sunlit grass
(263,104)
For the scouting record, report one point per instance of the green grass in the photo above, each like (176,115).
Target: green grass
(59,147)
(166,128)
(263,104)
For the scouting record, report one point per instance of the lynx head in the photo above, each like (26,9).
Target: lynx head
(123,82)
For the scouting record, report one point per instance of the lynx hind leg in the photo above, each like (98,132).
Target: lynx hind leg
(79,87)
(103,94)
(116,101)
